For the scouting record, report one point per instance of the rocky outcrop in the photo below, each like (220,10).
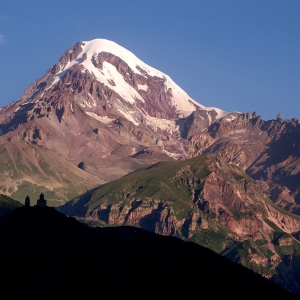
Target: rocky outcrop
(267,150)
(153,215)
(197,121)
(286,222)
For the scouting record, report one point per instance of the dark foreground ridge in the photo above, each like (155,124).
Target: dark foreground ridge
(44,253)
(7,204)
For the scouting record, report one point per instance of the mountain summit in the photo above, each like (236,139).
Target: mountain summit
(104,110)
(107,81)
(125,74)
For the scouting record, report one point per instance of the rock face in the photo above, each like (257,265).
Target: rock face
(269,151)
(199,120)
(204,200)
(101,107)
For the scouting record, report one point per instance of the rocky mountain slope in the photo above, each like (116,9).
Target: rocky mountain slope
(44,253)
(31,169)
(269,151)
(204,200)
(103,110)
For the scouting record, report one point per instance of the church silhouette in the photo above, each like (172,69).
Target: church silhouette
(41,202)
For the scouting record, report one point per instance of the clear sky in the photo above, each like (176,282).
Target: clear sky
(238,55)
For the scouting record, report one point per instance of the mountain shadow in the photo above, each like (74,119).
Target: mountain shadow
(7,204)
(43,252)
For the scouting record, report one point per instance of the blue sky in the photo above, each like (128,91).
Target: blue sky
(238,55)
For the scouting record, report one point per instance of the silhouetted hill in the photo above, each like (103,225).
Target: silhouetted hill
(7,204)
(44,253)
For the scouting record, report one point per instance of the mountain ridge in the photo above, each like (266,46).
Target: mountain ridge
(268,151)
(204,200)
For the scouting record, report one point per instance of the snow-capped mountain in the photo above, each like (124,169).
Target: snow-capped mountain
(107,81)
(103,109)
(101,59)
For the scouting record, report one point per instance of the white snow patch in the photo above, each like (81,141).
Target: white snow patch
(164,124)
(143,87)
(173,155)
(133,151)
(110,73)
(17,109)
(83,103)
(94,101)
(104,119)
(87,104)
(209,119)
(238,131)
(231,118)
(220,113)
(126,113)
(129,117)
(56,80)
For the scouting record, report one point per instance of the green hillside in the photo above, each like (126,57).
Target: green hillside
(156,182)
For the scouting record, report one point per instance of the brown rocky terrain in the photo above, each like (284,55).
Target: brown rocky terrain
(269,151)
(28,169)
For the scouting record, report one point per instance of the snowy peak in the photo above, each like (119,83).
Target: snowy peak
(104,82)
(99,57)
